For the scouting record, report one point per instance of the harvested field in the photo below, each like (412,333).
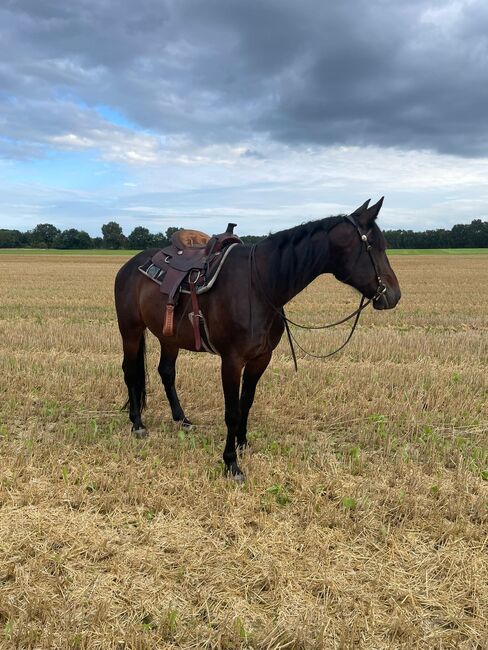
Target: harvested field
(363,522)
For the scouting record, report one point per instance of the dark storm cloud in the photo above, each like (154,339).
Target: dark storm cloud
(409,75)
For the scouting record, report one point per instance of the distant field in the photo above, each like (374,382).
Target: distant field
(363,522)
(58,251)
(438,251)
(405,251)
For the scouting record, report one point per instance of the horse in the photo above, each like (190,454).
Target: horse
(244,310)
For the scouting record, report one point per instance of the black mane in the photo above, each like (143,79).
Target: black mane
(296,234)
(297,255)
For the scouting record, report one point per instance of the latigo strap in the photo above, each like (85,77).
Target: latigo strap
(168,320)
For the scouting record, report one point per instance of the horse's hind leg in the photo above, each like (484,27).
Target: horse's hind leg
(167,371)
(252,374)
(133,366)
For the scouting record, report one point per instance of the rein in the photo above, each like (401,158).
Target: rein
(363,303)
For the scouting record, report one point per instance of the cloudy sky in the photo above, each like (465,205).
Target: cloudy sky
(263,112)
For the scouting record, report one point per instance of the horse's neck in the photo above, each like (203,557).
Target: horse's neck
(287,270)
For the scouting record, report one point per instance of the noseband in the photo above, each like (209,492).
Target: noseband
(381,288)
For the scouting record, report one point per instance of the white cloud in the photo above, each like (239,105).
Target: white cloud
(184,184)
(269,113)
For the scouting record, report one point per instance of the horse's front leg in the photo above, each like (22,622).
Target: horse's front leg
(252,374)
(231,380)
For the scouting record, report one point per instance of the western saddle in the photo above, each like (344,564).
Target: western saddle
(190,264)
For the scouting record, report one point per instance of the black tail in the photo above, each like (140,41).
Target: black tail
(140,373)
(141,369)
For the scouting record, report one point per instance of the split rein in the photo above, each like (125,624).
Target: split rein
(363,303)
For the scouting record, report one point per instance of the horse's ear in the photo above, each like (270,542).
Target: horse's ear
(361,209)
(368,216)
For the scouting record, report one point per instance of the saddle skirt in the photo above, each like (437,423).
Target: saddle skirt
(190,264)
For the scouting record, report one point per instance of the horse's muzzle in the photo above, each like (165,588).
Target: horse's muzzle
(387,300)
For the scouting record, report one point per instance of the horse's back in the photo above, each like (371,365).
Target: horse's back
(129,269)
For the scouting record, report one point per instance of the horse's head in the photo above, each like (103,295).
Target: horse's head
(358,250)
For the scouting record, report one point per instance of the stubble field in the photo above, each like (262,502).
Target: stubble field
(364,519)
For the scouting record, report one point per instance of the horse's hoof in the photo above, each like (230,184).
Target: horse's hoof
(235,473)
(140,433)
(186,424)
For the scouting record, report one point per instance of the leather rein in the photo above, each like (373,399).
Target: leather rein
(363,303)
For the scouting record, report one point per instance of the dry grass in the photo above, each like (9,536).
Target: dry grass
(363,523)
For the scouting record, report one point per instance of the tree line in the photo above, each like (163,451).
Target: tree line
(472,235)
(45,235)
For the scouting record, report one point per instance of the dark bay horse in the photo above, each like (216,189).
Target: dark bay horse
(243,310)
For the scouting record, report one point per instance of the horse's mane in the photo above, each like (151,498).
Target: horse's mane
(293,258)
(296,234)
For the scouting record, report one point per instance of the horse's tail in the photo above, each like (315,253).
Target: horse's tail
(141,369)
(140,373)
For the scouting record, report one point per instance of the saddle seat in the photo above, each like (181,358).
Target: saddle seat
(182,239)
(191,260)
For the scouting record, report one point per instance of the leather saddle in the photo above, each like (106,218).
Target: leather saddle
(190,259)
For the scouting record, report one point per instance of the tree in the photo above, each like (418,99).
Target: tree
(252,239)
(160,240)
(170,232)
(97,242)
(11,238)
(73,238)
(44,235)
(140,238)
(478,234)
(113,237)
(460,236)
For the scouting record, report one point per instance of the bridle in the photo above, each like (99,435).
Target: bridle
(363,303)
(381,289)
